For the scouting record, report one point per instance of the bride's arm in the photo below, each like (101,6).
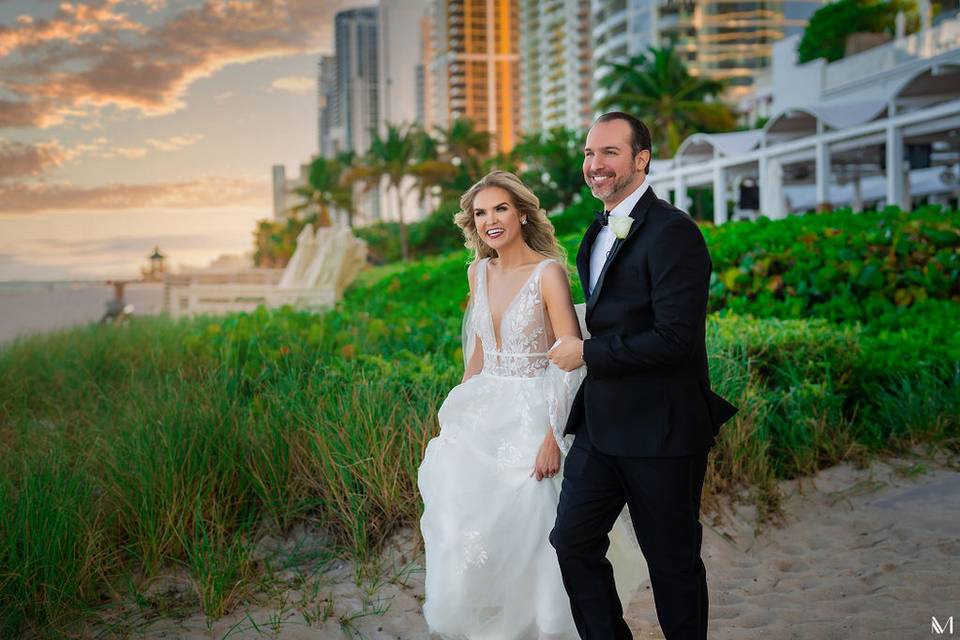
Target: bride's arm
(558,305)
(475,365)
(555,288)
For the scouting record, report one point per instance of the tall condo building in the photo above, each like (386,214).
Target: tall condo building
(326,105)
(400,59)
(357,77)
(400,88)
(555,64)
(475,68)
(427,101)
(722,39)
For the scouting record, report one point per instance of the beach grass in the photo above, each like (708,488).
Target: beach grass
(146,456)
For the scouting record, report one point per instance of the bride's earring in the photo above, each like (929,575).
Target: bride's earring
(524,221)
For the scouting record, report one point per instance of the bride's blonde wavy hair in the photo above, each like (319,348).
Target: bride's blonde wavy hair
(538,233)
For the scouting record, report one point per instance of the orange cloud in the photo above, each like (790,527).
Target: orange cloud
(72,23)
(18,159)
(208,192)
(94,56)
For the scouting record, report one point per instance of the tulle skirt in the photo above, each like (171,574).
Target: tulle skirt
(490,570)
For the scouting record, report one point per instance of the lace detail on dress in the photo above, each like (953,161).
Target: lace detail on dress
(523,334)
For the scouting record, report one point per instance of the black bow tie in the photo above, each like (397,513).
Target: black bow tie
(603,217)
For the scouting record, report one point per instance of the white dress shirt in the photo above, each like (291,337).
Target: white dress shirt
(605,239)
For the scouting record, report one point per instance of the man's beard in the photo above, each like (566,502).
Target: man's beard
(617,185)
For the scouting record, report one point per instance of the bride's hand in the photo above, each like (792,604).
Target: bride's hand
(548,459)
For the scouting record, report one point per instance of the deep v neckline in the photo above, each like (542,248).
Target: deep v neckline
(496,326)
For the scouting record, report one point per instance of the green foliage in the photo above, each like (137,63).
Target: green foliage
(551,163)
(575,219)
(435,234)
(657,87)
(825,35)
(841,266)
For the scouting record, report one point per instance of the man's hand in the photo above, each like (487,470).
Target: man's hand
(567,353)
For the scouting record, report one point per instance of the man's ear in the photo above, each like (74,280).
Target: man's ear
(643,160)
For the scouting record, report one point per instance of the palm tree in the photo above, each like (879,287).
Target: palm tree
(326,190)
(390,157)
(657,87)
(551,165)
(429,170)
(465,147)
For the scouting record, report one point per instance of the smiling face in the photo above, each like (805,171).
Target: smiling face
(496,218)
(609,167)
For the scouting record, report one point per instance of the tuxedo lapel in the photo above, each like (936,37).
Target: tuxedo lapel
(639,215)
(583,255)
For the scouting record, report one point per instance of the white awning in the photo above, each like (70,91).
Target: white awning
(728,144)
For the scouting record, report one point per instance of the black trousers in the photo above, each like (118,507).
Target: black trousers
(663,495)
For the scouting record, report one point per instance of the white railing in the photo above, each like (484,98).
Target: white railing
(193,298)
(922,45)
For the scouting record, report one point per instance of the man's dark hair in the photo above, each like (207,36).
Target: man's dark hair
(640,135)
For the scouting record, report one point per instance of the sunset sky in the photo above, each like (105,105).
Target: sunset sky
(126,124)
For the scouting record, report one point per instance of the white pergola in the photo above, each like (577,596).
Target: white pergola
(842,146)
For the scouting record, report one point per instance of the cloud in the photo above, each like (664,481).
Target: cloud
(130,153)
(135,245)
(300,85)
(91,56)
(19,160)
(71,23)
(208,192)
(175,143)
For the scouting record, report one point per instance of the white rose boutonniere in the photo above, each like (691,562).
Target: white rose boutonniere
(620,225)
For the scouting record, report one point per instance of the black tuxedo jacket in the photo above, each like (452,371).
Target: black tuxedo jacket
(647,389)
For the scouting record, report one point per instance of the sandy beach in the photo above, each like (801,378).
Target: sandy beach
(862,553)
(37,307)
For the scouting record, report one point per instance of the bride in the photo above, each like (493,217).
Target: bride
(491,479)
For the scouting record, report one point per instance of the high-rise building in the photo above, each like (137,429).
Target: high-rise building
(556,64)
(357,57)
(278,173)
(719,39)
(400,72)
(475,66)
(352,103)
(326,105)
(426,105)
(400,56)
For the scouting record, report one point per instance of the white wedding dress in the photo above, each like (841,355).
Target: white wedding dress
(491,573)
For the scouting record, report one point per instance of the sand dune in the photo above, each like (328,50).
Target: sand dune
(862,553)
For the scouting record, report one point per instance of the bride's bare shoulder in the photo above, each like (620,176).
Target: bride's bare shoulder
(555,271)
(472,272)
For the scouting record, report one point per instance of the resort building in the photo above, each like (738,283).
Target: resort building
(880,127)
(719,39)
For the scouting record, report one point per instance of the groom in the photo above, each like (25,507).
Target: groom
(645,416)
